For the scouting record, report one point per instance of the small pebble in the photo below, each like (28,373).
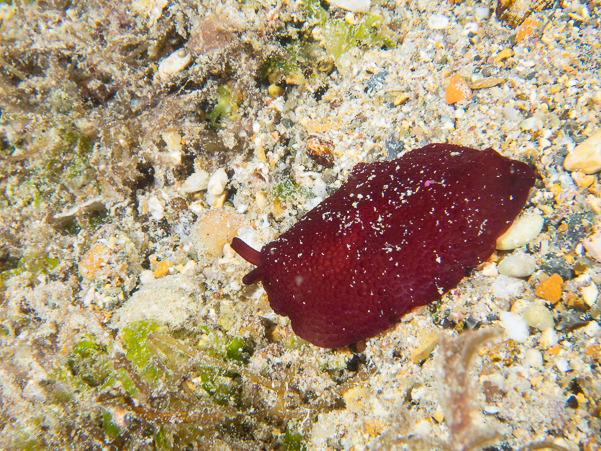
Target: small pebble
(426,341)
(528,29)
(532,124)
(155,208)
(562,364)
(521,232)
(505,286)
(593,246)
(549,338)
(173,140)
(589,294)
(173,64)
(490,269)
(517,265)
(162,269)
(514,326)
(539,317)
(487,82)
(592,329)
(213,229)
(275,90)
(503,55)
(217,182)
(534,358)
(438,22)
(457,90)
(550,290)
(196,182)
(585,157)
(146,276)
(97,257)
(482,12)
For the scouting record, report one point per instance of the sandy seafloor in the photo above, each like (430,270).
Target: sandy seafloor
(124,320)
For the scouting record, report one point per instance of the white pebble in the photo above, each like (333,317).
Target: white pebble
(539,317)
(155,208)
(146,276)
(589,294)
(33,392)
(512,113)
(447,123)
(593,246)
(173,64)
(217,182)
(319,188)
(352,5)
(505,286)
(490,269)
(196,182)
(562,364)
(491,410)
(482,12)
(586,157)
(173,140)
(532,124)
(514,326)
(438,22)
(592,329)
(423,427)
(517,265)
(521,232)
(534,358)
(549,338)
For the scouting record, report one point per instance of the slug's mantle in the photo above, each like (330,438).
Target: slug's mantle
(397,235)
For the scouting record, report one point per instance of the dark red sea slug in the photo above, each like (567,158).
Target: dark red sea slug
(398,234)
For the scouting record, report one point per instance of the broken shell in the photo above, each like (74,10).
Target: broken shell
(173,64)
(196,182)
(320,151)
(217,182)
(514,12)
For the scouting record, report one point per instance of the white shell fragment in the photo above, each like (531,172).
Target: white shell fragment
(590,294)
(173,140)
(586,156)
(196,182)
(593,245)
(438,22)
(534,358)
(514,326)
(217,182)
(215,188)
(155,208)
(521,232)
(173,64)
(482,12)
(357,6)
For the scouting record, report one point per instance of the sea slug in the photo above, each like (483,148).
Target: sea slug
(397,235)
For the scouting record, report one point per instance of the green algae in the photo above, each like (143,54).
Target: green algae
(287,190)
(226,107)
(339,36)
(34,264)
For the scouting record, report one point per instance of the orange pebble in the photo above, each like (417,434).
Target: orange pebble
(162,269)
(93,260)
(527,29)
(458,90)
(550,289)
